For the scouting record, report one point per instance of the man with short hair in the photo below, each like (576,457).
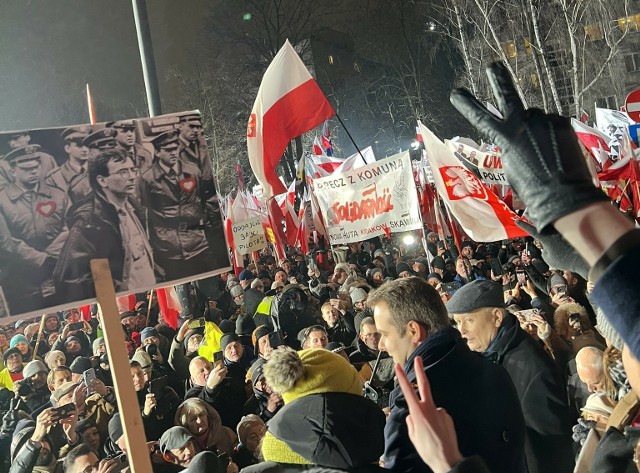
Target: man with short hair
(338,322)
(32,223)
(179,212)
(107,226)
(367,342)
(71,177)
(478,395)
(479,310)
(314,337)
(126,139)
(590,369)
(83,459)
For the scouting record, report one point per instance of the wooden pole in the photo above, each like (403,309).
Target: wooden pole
(39,337)
(138,453)
(149,307)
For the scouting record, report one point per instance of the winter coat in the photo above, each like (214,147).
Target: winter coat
(477,394)
(548,442)
(333,430)
(228,398)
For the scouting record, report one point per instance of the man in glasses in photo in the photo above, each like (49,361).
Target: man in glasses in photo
(107,226)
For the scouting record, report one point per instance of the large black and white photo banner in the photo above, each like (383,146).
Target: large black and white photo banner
(139,193)
(369,201)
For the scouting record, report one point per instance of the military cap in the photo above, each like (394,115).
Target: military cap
(476,295)
(17,134)
(193,118)
(26,153)
(165,139)
(101,139)
(76,133)
(122,124)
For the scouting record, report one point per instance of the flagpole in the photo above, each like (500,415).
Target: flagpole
(350,137)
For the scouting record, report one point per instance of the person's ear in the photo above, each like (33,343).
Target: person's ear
(498,316)
(167,457)
(417,332)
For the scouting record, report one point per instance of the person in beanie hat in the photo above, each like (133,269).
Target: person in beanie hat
(206,462)
(358,298)
(375,277)
(326,420)
(403,270)
(36,373)
(264,402)
(236,358)
(260,341)
(13,368)
(479,310)
(251,430)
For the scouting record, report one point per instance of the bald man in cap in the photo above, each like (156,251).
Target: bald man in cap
(33,215)
(126,139)
(171,190)
(71,177)
(478,309)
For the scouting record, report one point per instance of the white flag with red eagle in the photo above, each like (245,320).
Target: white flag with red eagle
(289,103)
(482,214)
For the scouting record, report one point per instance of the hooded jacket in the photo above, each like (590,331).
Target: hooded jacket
(332,430)
(548,442)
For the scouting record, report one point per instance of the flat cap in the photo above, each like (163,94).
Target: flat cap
(476,295)
(165,139)
(175,437)
(74,133)
(101,139)
(63,390)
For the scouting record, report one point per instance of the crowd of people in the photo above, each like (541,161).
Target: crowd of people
(524,353)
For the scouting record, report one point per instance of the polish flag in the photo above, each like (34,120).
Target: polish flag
(482,214)
(126,303)
(169,304)
(594,140)
(289,103)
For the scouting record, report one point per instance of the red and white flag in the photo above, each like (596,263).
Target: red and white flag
(289,103)
(169,305)
(482,214)
(594,140)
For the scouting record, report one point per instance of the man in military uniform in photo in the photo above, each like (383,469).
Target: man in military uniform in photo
(171,190)
(126,139)
(192,146)
(20,139)
(100,140)
(110,225)
(71,177)
(33,228)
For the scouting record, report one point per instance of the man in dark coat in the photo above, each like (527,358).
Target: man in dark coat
(478,309)
(478,395)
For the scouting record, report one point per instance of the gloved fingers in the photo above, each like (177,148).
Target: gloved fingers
(476,113)
(501,83)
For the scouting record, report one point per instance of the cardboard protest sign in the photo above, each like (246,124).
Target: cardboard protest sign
(361,203)
(139,193)
(487,166)
(248,236)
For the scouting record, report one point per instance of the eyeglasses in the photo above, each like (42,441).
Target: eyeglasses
(127,172)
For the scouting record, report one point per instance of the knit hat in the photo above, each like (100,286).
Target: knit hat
(257,370)
(246,275)
(9,352)
(190,334)
(466,243)
(597,403)
(227,326)
(257,334)
(72,338)
(607,331)
(127,313)
(96,344)
(246,424)
(80,365)
(358,295)
(374,271)
(297,374)
(17,339)
(236,291)
(49,357)
(401,267)
(342,267)
(34,367)
(276,284)
(245,325)
(115,428)
(205,462)
(434,275)
(148,332)
(143,358)
(228,338)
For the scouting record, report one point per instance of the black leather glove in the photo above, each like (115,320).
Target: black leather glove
(542,159)
(557,252)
